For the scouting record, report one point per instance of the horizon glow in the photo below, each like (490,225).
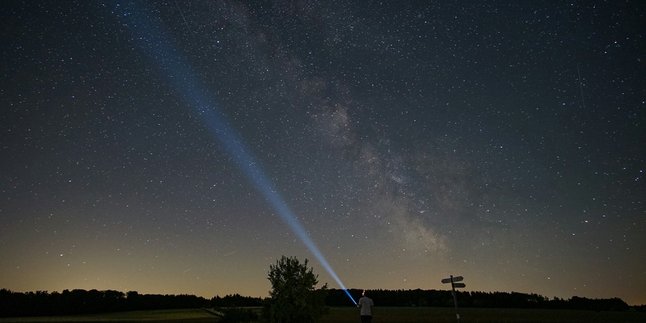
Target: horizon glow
(151,40)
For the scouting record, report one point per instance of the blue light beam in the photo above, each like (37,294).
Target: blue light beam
(150,38)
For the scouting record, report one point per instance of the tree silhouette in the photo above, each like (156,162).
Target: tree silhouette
(293,297)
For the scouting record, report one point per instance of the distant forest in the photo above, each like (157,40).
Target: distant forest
(444,298)
(80,301)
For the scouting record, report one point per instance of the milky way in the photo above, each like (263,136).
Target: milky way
(500,142)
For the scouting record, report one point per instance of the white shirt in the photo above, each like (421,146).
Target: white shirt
(366,304)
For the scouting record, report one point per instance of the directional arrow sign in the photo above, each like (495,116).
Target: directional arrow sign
(459,285)
(455,279)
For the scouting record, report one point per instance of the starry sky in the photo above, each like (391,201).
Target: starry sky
(502,141)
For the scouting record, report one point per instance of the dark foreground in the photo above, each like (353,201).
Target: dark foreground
(180,315)
(381,315)
(481,315)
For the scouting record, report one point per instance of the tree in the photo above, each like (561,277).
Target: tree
(293,297)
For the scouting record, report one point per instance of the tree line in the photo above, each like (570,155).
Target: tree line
(444,298)
(80,301)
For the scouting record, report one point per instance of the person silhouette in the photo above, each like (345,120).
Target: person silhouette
(365,308)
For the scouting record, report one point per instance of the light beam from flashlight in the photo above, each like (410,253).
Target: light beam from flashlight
(150,39)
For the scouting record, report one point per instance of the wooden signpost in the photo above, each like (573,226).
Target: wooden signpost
(454,284)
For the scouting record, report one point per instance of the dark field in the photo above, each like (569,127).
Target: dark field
(481,315)
(181,315)
(381,315)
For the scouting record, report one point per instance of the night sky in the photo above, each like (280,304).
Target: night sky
(504,141)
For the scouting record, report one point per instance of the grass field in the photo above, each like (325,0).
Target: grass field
(480,315)
(381,315)
(181,315)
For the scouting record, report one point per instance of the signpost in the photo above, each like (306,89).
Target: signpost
(452,279)
(454,284)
